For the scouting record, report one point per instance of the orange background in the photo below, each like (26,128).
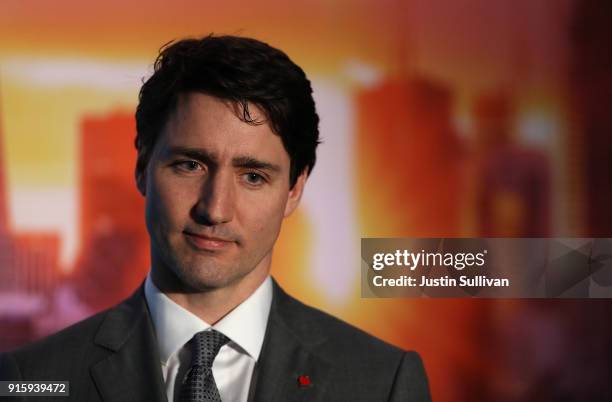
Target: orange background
(419,103)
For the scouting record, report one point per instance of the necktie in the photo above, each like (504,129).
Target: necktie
(199,384)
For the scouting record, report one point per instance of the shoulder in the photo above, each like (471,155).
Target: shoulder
(77,346)
(364,366)
(337,337)
(56,353)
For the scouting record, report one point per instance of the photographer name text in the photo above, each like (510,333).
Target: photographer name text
(412,261)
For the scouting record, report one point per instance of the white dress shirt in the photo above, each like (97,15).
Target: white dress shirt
(245,326)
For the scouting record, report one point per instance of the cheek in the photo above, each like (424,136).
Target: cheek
(266,217)
(168,205)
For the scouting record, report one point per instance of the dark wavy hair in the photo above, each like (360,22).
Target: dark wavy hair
(241,70)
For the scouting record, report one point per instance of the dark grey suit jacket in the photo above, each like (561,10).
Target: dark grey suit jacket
(113,356)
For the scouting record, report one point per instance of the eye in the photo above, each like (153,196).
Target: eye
(254,179)
(188,166)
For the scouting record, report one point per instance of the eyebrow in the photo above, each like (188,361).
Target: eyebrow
(252,163)
(205,156)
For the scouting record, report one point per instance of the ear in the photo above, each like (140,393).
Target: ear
(141,181)
(295,194)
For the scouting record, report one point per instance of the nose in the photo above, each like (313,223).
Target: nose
(216,203)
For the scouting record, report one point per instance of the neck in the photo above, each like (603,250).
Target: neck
(212,304)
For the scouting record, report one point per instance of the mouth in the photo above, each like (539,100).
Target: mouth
(207,243)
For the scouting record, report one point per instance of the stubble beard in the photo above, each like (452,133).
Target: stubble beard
(194,271)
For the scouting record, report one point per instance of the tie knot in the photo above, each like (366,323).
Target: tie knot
(206,345)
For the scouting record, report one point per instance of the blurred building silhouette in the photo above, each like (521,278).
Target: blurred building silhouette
(29,263)
(4,222)
(114,253)
(29,272)
(410,159)
(586,374)
(591,100)
(512,181)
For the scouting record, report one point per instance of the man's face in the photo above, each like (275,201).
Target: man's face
(217,190)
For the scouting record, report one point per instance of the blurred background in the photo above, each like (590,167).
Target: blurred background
(439,118)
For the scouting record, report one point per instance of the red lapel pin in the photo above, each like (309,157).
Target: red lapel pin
(304,381)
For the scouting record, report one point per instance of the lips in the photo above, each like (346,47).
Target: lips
(204,242)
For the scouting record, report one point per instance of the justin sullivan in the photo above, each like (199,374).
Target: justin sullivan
(445,281)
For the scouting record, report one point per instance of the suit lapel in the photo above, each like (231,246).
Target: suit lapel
(132,371)
(287,354)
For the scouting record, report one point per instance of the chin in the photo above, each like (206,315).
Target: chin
(207,278)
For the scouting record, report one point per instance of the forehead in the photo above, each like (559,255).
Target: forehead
(205,122)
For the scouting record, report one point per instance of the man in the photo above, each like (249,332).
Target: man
(226,138)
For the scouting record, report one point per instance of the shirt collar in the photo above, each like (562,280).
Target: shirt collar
(245,325)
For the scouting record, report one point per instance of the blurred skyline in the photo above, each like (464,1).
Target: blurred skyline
(439,118)
(65,60)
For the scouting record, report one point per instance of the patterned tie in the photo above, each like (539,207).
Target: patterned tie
(199,384)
